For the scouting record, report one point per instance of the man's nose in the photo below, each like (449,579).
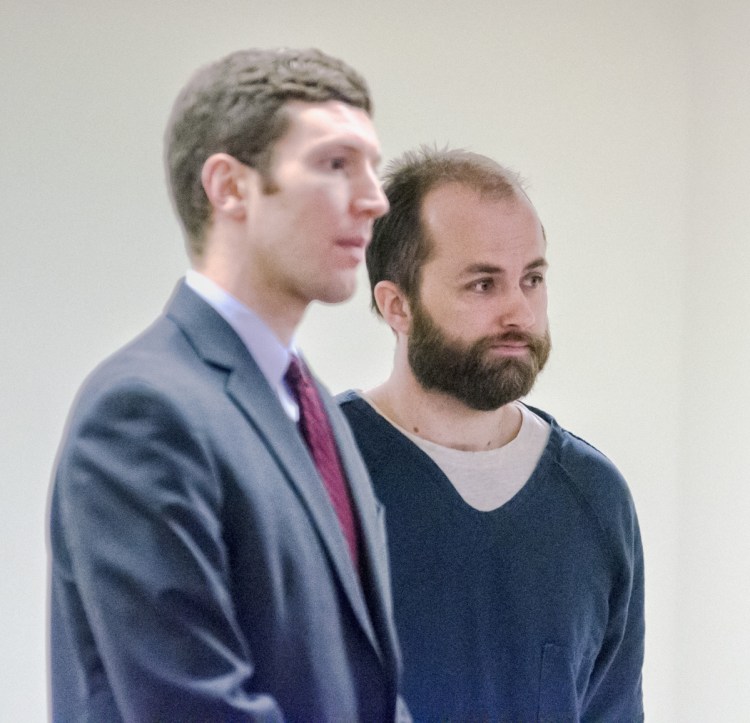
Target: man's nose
(371,198)
(516,309)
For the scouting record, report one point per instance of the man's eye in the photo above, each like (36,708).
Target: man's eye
(482,285)
(534,280)
(337,164)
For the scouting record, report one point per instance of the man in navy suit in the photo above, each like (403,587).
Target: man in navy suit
(202,567)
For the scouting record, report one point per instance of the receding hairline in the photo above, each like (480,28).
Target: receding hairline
(510,193)
(513,193)
(348,131)
(509,190)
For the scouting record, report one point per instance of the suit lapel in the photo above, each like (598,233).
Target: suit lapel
(379,586)
(280,434)
(217,343)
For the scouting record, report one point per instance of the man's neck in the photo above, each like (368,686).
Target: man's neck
(271,306)
(441,418)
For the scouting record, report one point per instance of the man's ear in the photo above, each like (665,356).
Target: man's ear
(223,179)
(393,306)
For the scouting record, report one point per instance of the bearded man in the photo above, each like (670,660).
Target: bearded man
(515,551)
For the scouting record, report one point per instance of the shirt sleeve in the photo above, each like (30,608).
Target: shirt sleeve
(615,687)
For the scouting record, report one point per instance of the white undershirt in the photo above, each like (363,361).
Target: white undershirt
(486,480)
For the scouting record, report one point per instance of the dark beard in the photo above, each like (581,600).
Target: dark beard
(465,372)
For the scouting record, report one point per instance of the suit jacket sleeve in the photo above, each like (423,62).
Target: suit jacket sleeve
(137,512)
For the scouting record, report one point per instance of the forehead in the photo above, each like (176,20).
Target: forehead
(332,121)
(462,223)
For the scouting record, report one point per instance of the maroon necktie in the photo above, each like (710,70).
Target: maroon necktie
(316,429)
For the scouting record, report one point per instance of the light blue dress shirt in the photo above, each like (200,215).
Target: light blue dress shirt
(271,356)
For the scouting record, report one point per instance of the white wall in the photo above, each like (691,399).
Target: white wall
(625,120)
(714,564)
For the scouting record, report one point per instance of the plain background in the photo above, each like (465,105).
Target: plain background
(630,123)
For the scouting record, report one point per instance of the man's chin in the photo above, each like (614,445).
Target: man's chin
(338,293)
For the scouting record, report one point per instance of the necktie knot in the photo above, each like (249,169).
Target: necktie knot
(294,376)
(306,395)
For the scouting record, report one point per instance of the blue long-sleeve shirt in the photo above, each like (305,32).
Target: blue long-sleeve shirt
(530,612)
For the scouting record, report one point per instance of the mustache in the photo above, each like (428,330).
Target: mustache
(517,337)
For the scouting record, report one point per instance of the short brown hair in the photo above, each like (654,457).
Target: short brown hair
(236,106)
(400,245)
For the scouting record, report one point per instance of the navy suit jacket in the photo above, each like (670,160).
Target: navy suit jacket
(199,572)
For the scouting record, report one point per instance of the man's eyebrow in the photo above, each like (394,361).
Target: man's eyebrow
(483,268)
(352,144)
(540,263)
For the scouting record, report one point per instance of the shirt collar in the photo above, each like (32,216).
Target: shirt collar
(271,356)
